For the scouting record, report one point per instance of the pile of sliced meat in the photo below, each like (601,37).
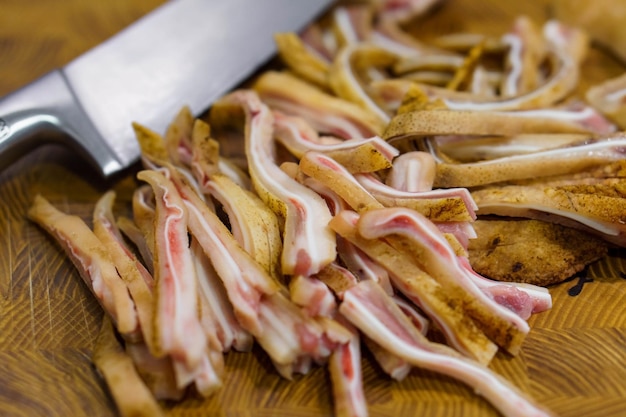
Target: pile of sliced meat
(348,223)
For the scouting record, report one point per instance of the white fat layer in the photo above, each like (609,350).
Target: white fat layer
(511,82)
(609,150)
(381,223)
(604,227)
(486,383)
(322,122)
(306,223)
(342,18)
(295,141)
(566,75)
(376,187)
(344,61)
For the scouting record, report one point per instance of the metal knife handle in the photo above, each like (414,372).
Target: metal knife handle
(47,111)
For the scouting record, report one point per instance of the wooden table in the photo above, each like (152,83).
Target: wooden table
(573,361)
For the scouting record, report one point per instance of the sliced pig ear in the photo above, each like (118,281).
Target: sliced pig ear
(308,242)
(178,137)
(608,98)
(346,376)
(302,60)
(325,112)
(255,227)
(570,160)
(337,178)
(93,262)
(129,391)
(139,281)
(356,155)
(442,205)
(459,330)
(371,310)
(178,329)
(590,207)
(414,235)
(561,82)
(346,83)
(526,51)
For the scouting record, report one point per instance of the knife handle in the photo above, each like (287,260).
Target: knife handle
(47,111)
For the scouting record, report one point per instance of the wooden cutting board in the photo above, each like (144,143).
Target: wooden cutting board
(573,361)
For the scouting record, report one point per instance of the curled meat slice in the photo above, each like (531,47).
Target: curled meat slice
(340,279)
(473,149)
(288,335)
(136,277)
(308,242)
(578,119)
(130,394)
(344,79)
(92,262)
(302,60)
(319,40)
(363,266)
(339,180)
(206,375)
(412,172)
(539,296)
(568,160)
(143,215)
(206,159)
(130,229)
(244,279)
(252,223)
(444,205)
(154,153)
(357,155)
(205,153)
(574,40)
(458,328)
(337,278)
(558,85)
(369,309)
(325,112)
(358,264)
(484,82)
(177,327)
(351,24)
(596,208)
(177,137)
(420,322)
(259,303)
(526,51)
(216,313)
(408,231)
(313,296)
(347,378)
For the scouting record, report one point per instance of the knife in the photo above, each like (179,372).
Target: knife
(185,52)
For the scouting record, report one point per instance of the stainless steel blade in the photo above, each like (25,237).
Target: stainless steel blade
(188,52)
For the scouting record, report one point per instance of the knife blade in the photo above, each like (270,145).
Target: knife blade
(186,52)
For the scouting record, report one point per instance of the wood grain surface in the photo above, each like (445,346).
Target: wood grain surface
(573,361)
